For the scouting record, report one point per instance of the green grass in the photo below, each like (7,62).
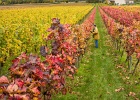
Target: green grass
(97,77)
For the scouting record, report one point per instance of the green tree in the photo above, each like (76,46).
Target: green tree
(92,1)
(45,1)
(136,0)
(0,1)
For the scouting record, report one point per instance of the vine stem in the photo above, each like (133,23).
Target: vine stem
(136,66)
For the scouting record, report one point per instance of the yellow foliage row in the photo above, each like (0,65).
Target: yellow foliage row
(22,30)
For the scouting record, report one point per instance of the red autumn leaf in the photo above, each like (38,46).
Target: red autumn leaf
(64,91)
(55,72)
(23,55)
(49,67)
(29,80)
(4,79)
(71,76)
(32,59)
(12,88)
(19,82)
(22,90)
(58,68)
(59,85)
(49,29)
(38,72)
(19,97)
(42,65)
(35,90)
(2,96)
(72,70)
(14,97)
(68,67)
(43,84)
(58,60)
(32,85)
(56,77)
(138,55)
(25,97)
(16,61)
(19,72)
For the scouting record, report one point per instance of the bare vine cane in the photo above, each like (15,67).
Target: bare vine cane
(136,65)
(129,60)
(2,64)
(129,63)
(76,30)
(121,29)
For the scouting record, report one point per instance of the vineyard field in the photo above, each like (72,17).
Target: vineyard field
(23,30)
(69,51)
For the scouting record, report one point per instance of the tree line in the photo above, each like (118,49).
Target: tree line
(23,1)
(4,2)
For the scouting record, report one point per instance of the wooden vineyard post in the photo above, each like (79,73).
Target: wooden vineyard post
(129,63)
(78,58)
(1,65)
(136,66)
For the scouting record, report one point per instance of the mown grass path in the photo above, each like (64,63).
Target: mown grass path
(97,78)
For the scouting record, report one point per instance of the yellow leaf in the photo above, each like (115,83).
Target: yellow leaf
(35,98)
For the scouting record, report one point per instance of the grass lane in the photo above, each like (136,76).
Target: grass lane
(97,78)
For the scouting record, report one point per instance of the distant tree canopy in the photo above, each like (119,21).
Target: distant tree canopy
(136,0)
(92,1)
(44,1)
(95,1)
(25,1)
